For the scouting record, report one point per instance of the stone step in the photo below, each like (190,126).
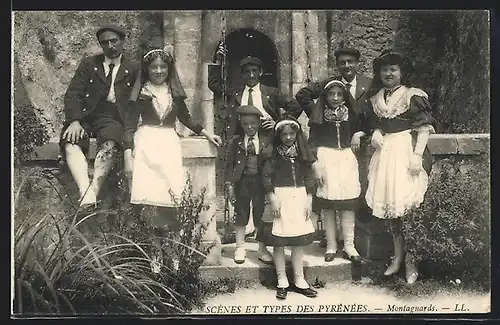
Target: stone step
(253,272)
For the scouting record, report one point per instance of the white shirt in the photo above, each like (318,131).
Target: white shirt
(353,86)
(116,61)
(255,142)
(256,97)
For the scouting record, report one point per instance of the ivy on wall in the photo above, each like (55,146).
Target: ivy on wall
(449,49)
(450,53)
(28,131)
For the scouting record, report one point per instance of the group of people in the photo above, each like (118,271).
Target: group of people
(272,169)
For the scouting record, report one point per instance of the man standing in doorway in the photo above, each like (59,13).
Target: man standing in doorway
(346,60)
(267,99)
(94,106)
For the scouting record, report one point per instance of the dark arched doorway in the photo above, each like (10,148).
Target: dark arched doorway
(241,43)
(249,42)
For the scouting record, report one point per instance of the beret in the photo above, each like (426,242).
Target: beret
(348,51)
(250,60)
(113,28)
(249,110)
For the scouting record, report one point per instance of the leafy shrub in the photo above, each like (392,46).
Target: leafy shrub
(450,231)
(61,268)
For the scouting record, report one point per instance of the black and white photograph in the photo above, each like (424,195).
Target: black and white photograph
(250,162)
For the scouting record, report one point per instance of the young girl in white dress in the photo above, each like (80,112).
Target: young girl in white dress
(289,185)
(400,122)
(333,127)
(153,155)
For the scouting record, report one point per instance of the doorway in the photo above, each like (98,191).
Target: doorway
(241,43)
(249,42)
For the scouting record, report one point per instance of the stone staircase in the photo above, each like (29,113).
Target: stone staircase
(372,242)
(253,272)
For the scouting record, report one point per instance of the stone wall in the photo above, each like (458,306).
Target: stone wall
(370,31)
(49,45)
(470,152)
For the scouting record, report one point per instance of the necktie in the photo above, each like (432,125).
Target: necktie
(251,147)
(250,97)
(350,98)
(109,77)
(348,88)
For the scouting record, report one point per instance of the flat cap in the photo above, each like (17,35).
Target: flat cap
(250,60)
(249,110)
(348,51)
(111,27)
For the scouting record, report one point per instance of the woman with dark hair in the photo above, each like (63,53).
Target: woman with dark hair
(153,157)
(289,185)
(400,122)
(334,136)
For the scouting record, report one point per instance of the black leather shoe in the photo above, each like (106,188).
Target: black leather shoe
(87,209)
(281,293)
(310,293)
(354,259)
(322,243)
(329,257)
(313,291)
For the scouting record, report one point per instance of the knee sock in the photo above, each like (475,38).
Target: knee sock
(103,164)
(279,262)
(298,267)
(240,236)
(78,166)
(348,218)
(330,225)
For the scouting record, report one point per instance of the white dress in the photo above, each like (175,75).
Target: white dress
(158,175)
(392,190)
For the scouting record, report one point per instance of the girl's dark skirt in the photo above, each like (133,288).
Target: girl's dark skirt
(338,205)
(265,235)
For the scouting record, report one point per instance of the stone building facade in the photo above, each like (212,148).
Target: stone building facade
(48,46)
(295,47)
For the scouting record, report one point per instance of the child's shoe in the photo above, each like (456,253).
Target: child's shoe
(265,257)
(239,255)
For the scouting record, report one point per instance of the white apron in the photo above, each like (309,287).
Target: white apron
(391,188)
(339,168)
(158,166)
(293,203)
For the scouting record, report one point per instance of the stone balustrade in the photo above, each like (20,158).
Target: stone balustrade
(198,147)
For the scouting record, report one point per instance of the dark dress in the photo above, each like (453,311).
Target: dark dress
(291,181)
(331,143)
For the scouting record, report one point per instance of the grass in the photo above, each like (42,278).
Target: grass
(425,287)
(61,268)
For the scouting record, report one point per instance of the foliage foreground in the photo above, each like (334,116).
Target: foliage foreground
(64,266)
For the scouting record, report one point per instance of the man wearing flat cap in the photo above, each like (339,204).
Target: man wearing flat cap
(267,99)
(357,85)
(94,106)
